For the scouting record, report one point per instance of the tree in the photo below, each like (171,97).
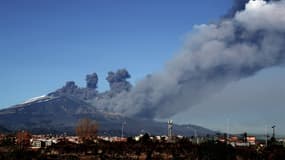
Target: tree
(145,138)
(86,129)
(23,139)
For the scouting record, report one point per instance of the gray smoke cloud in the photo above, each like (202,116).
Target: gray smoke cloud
(118,81)
(68,89)
(213,56)
(71,89)
(91,81)
(119,86)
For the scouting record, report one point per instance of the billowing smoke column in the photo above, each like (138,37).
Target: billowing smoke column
(91,81)
(118,81)
(71,89)
(213,56)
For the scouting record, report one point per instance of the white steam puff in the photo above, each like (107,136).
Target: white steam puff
(213,56)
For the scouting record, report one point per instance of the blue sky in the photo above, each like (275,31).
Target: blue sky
(44,43)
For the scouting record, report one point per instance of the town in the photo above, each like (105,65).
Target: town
(86,144)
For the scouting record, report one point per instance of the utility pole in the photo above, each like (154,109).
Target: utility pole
(273,132)
(228,131)
(196,136)
(170,127)
(266,136)
(123,124)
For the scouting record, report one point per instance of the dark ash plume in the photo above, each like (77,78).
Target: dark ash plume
(71,89)
(91,81)
(118,81)
(213,56)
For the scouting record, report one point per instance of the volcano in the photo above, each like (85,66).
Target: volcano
(60,114)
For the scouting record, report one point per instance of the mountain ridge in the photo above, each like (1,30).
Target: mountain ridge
(60,115)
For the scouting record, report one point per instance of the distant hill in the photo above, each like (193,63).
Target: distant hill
(4,130)
(51,114)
